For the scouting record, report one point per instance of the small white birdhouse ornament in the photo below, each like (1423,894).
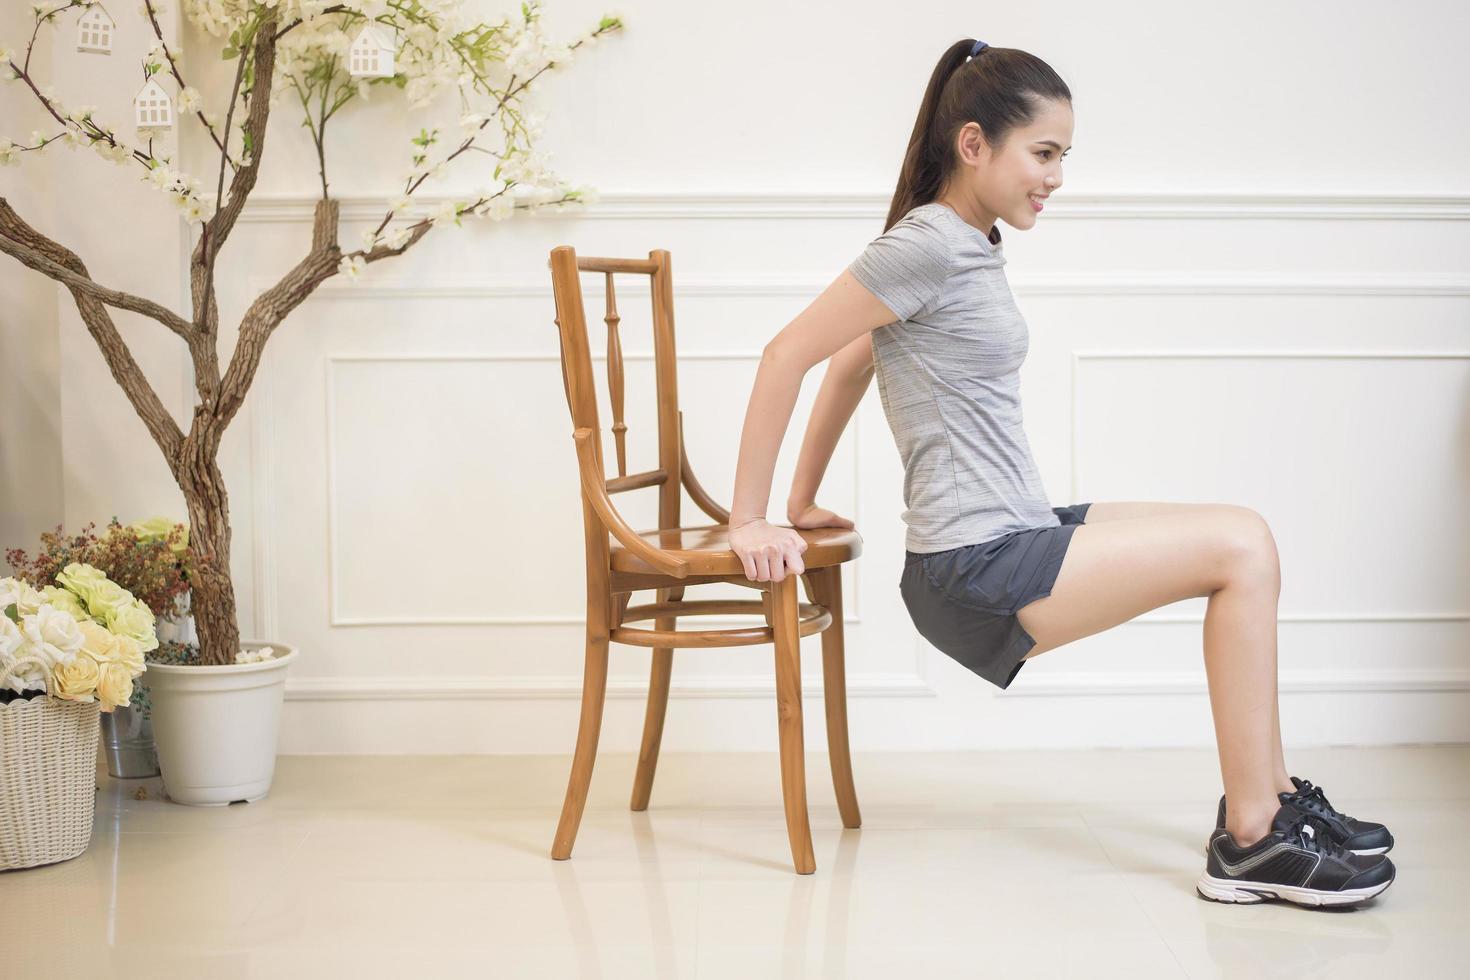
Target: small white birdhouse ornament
(371,54)
(95,29)
(152,107)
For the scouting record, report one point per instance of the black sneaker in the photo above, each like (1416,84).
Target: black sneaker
(1296,862)
(1359,836)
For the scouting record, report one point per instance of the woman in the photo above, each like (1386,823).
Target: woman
(994,575)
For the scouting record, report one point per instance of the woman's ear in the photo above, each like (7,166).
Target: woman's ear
(970,144)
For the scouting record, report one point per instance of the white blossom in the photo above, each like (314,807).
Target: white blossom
(5,55)
(369,239)
(469,123)
(115,152)
(498,208)
(351,266)
(446,212)
(188,99)
(8,153)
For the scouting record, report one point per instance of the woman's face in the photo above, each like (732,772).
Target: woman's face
(1003,183)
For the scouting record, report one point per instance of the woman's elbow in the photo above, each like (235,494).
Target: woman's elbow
(783,358)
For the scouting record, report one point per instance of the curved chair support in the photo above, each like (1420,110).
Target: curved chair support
(697,493)
(597,495)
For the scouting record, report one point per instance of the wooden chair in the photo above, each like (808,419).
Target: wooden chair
(672,557)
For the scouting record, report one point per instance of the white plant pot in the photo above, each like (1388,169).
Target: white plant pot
(217,727)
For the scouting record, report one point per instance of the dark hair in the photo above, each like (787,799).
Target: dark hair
(1000,88)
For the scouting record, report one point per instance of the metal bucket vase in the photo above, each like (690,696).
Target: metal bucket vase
(127,742)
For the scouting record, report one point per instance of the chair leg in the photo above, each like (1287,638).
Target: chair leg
(783,615)
(658,704)
(594,689)
(834,696)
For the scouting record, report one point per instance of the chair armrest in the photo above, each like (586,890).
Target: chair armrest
(596,491)
(697,493)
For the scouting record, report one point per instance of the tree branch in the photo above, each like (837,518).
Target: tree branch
(79,281)
(272,306)
(120,362)
(227,212)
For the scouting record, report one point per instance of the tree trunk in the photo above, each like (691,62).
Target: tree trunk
(213,598)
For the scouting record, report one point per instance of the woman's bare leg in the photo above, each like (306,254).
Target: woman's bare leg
(1116,570)
(1114,510)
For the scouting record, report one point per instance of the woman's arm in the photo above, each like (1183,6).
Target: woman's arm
(843,313)
(848,375)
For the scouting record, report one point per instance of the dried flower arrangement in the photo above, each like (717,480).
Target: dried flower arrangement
(150,559)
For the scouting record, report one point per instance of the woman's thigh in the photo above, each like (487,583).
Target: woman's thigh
(1117,568)
(1118,510)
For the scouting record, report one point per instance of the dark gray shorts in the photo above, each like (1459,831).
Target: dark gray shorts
(964,600)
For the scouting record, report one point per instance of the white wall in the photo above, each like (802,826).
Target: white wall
(1251,289)
(30,383)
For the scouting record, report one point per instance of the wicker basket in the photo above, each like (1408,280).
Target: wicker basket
(48,777)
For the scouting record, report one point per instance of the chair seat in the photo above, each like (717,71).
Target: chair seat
(707,549)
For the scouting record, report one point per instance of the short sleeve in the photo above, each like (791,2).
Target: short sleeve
(906,266)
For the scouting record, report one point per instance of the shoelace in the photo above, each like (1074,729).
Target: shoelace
(1319,838)
(1314,799)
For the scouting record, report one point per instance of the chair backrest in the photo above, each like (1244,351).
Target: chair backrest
(580,387)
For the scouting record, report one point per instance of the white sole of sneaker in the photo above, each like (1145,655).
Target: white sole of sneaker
(1367,852)
(1251,892)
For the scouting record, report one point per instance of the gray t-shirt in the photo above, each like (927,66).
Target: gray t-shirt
(949,378)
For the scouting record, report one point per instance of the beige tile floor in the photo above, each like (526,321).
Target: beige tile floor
(1016,864)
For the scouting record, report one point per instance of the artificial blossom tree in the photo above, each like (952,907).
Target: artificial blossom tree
(295,49)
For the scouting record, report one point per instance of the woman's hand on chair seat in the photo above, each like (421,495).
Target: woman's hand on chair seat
(767,551)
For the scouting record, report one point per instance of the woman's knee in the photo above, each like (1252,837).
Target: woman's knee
(1248,549)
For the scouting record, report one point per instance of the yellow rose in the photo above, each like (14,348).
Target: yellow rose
(100,594)
(66,601)
(114,686)
(76,575)
(98,641)
(135,620)
(129,654)
(106,597)
(76,680)
(158,529)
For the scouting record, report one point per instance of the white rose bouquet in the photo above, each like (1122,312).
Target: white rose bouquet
(86,638)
